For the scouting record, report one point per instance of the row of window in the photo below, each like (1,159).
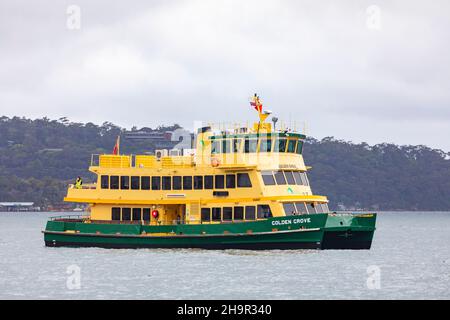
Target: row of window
(228,181)
(130,214)
(236,213)
(283,177)
(252,145)
(294,208)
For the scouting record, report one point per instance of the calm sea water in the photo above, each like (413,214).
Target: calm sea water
(410,257)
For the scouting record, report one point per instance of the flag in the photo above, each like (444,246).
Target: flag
(256,103)
(116,149)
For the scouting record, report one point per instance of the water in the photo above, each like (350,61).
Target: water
(410,249)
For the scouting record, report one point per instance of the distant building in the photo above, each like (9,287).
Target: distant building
(161,140)
(18,206)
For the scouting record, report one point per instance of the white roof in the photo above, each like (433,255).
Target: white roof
(22,204)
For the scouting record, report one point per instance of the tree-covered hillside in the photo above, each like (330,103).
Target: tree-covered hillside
(39,157)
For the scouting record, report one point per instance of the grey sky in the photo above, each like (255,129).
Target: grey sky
(160,62)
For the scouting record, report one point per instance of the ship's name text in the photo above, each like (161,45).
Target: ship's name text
(294,221)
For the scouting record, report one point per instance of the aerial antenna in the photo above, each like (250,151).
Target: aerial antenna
(274,120)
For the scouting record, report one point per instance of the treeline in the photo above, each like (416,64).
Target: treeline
(39,157)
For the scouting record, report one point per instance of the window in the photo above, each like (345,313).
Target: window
(236,145)
(156,183)
(250,213)
(145,183)
(227,213)
(280,145)
(176,183)
(137,214)
(298,178)
(289,208)
(206,214)
(311,207)
(166,183)
(268,178)
(198,182)
(238,213)
(115,214)
(146,214)
(216,214)
(114,182)
(187,183)
(304,179)
(231,181)
(226,146)
(299,147)
(264,211)
(291,146)
(135,185)
(289,177)
(250,145)
(243,180)
(215,146)
(124,182)
(301,208)
(322,208)
(208,182)
(279,177)
(104,182)
(219,182)
(126,214)
(265,145)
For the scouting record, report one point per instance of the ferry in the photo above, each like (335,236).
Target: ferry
(238,187)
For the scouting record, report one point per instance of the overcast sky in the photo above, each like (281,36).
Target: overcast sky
(349,69)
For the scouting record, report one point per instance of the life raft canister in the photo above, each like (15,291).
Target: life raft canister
(155,214)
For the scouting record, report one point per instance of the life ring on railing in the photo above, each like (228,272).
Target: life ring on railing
(215,162)
(155,214)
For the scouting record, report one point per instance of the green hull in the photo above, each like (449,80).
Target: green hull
(318,231)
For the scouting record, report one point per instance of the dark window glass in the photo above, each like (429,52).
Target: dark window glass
(279,177)
(126,214)
(215,146)
(238,213)
(289,208)
(265,145)
(291,146)
(124,182)
(227,213)
(114,182)
(264,211)
(145,183)
(176,183)
(311,207)
(135,185)
(187,183)
(115,214)
(289,177)
(304,179)
(280,145)
(206,214)
(209,182)
(301,208)
(137,214)
(219,182)
(243,180)
(166,183)
(156,183)
(299,146)
(104,182)
(198,182)
(216,214)
(146,214)
(250,145)
(298,179)
(226,146)
(231,181)
(268,178)
(250,213)
(236,145)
